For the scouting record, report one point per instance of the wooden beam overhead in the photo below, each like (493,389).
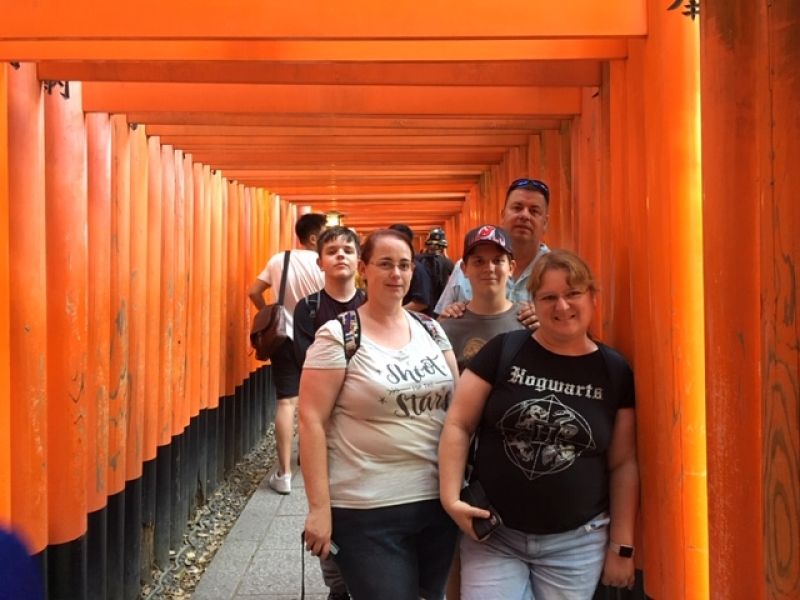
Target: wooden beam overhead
(324,51)
(472,73)
(321,20)
(323,141)
(331,99)
(446,135)
(397,123)
(317,190)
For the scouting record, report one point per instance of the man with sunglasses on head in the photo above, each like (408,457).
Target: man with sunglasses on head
(525,217)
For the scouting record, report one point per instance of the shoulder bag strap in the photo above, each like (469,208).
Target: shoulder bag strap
(282,291)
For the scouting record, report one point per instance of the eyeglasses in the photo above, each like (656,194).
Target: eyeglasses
(530,184)
(387,265)
(570,297)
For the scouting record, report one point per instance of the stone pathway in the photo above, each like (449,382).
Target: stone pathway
(261,557)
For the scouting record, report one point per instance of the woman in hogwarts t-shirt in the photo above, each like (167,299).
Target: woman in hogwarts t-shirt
(556,451)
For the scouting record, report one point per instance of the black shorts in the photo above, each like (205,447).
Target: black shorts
(285,371)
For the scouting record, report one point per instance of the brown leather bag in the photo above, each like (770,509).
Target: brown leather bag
(270,328)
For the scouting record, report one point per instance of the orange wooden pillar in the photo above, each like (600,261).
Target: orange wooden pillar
(66,223)
(168,452)
(274,225)
(191,400)
(156,532)
(217,423)
(118,326)
(201,259)
(139,471)
(225,390)
(244,313)
(27,305)
(287,220)
(168,455)
(5,304)
(550,162)
(232,388)
(103,550)
(663,163)
(750,189)
(592,206)
(616,249)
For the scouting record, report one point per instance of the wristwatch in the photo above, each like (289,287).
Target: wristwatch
(621,549)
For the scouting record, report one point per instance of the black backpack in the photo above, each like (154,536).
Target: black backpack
(437,268)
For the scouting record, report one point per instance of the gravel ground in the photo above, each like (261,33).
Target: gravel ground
(210,524)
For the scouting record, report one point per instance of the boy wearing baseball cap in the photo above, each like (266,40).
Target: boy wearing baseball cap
(488,261)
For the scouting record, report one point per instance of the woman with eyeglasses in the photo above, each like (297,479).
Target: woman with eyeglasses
(369,431)
(553,413)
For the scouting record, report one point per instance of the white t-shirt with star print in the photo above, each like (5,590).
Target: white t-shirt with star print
(384,430)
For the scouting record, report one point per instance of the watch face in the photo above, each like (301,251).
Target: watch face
(626,551)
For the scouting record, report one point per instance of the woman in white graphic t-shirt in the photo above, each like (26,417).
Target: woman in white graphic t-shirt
(369,430)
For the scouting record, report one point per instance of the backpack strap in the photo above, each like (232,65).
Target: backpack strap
(429,324)
(513,342)
(313,305)
(351,330)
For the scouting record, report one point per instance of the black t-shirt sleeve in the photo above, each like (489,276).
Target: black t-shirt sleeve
(619,369)
(627,396)
(484,363)
(303,330)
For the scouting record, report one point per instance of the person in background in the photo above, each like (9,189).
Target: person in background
(370,428)
(487,262)
(556,451)
(418,297)
(302,279)
(436,263)
(338,249)
(525,217)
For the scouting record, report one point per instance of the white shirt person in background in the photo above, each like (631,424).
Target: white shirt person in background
(304,277)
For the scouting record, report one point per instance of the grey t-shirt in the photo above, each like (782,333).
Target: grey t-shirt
(470,332)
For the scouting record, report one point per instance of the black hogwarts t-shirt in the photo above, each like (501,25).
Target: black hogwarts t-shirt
(544,435)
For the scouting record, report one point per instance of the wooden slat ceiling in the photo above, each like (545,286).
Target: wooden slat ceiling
(387,112)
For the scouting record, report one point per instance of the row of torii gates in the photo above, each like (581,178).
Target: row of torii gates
(152,156)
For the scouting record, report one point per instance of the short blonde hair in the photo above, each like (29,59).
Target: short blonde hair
(578,273)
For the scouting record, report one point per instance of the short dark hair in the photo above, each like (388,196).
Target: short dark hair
(372,239)
(404,229)
(337,231)
(532,185)
(309,224)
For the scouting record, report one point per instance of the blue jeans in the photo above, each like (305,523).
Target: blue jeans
(399,552)
(513,565)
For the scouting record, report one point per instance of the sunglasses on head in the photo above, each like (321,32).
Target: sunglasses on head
(530,184)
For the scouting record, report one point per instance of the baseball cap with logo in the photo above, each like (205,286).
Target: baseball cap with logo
(487,234)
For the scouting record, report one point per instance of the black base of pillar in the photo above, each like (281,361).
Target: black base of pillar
(97,553)
(133,539)
(67,570)
(116,544)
